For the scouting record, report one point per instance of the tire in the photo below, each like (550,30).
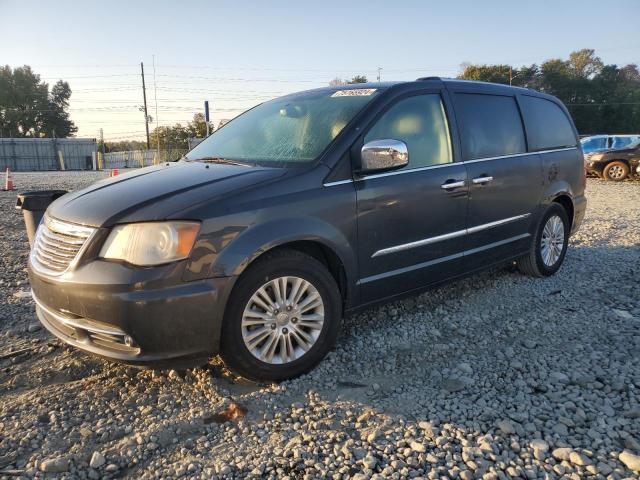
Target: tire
(288,358)
(616,171)
(536,263)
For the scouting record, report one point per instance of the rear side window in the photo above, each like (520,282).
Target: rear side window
(547,125)
(421,123)
(622,142)
(491,125)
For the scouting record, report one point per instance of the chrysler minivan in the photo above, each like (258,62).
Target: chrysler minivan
(302,210)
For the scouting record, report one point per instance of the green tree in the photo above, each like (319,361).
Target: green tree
(56,118)
(198,127)
(584,63)
(175,137)
(28,109)
(336,82)
(358,79)
(486,73)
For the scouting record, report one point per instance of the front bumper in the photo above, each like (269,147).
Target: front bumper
(156,323)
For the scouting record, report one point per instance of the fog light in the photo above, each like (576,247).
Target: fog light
(128,341)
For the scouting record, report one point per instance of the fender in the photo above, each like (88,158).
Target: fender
(550,193)
(554,190)
(252,242)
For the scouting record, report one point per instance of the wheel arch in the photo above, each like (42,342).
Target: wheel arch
(623,160)
(307,235)
(565,200)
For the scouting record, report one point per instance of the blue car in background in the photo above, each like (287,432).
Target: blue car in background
(598,143)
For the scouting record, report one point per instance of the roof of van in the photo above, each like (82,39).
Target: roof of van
(453,83)
(422,80)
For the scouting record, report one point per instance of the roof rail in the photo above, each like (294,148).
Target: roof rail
(427,78)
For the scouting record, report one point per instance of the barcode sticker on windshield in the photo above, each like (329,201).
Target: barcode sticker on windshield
(354,92)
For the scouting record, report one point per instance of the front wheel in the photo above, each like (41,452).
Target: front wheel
(549,245)
(283,317)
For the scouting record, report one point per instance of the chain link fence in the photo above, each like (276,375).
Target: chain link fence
(138,158)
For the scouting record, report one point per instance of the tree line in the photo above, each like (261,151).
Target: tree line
(170,137)
(601,98)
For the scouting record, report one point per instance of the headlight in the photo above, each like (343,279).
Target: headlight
(152,243)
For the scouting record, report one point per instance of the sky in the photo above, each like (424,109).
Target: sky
(239,53)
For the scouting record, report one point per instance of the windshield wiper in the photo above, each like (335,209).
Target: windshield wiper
(221,160)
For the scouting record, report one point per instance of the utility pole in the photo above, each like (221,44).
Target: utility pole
(155,95)
(146,114)
(379,70)
(510,75)
(206,115)
(102,141)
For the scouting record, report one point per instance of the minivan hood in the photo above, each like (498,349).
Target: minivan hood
(155,193)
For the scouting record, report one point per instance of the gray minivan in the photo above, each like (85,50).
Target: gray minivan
(304,209)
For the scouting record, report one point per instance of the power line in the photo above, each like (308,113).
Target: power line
(54,77)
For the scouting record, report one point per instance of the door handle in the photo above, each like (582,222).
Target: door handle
(481,180)
(452,185)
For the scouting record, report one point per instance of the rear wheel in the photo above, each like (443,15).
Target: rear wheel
(282,318)
(616,171)
(549,245)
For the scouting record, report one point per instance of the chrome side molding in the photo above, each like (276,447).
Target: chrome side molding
(448,236)
(436,261)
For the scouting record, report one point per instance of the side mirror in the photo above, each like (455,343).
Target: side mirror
(379,155)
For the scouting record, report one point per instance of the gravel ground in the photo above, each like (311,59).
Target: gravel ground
(497,376)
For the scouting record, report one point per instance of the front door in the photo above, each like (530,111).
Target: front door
(411,222)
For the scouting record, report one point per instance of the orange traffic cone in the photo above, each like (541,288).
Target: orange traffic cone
(8,181)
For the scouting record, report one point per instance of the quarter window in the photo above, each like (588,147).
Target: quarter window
(547,125)
(421,123)
(490,125)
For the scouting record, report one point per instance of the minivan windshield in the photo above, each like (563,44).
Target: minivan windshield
(286,131)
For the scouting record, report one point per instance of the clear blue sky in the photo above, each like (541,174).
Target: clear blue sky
(237,53)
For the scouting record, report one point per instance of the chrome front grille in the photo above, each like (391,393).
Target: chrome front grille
(57,245)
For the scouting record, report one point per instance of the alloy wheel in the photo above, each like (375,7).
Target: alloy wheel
(282,320)
(616,172)
(552,241)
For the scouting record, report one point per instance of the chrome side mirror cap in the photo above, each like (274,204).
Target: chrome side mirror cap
(380,155)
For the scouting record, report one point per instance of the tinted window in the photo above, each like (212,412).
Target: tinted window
(623,142)
(592,144)
(421,123)
(547,124)
(490,125)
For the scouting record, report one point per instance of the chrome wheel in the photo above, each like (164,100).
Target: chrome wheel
(552,241)
(282,320)
(616,172)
